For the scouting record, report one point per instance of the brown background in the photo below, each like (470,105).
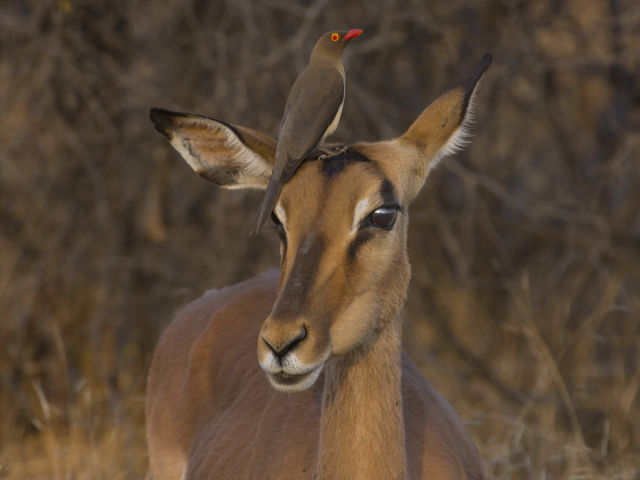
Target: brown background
(524,308)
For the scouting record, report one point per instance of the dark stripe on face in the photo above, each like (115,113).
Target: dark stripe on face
(362,238)
(303,275)
(334,165)
(388,193)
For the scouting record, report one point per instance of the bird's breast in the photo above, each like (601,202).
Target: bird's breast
(334,124)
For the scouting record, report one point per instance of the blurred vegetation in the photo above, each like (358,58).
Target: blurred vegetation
(524,309)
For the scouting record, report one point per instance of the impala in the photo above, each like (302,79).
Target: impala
(331,394)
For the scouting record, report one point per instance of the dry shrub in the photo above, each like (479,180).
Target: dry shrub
(524,308)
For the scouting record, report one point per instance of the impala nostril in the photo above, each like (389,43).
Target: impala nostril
(282,351)
(275,352)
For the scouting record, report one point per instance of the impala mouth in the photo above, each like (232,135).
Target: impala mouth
(288,379)
(289,374)
(292,383)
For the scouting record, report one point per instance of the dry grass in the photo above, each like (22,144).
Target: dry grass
(524,310)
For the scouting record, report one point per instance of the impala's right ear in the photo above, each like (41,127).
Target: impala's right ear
(442,128)
(227,155)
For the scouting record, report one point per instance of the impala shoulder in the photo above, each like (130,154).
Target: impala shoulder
(262,286)
(419,393)
(212,310)
(435,432)
(256,292)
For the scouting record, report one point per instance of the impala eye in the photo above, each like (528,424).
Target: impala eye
(384,217)
(275,219)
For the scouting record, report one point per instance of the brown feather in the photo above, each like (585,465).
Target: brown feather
(314,102)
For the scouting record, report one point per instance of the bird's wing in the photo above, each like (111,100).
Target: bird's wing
(313,104)
(284,118)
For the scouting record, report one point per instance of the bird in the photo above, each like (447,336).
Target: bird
(312,113)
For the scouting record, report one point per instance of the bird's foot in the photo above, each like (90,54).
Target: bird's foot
(333,153)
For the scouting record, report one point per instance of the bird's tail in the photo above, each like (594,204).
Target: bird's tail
(269,201)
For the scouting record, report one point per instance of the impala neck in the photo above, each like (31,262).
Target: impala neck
(361,428)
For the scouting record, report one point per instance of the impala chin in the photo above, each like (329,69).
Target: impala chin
(289,374)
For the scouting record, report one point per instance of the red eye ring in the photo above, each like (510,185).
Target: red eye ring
(335,37)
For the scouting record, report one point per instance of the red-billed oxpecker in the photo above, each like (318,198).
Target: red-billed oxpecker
(312,114)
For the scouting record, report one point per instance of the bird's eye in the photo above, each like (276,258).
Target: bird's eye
(384,217)
(275,219)
(335,37)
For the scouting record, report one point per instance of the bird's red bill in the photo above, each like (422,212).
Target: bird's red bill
(352,33)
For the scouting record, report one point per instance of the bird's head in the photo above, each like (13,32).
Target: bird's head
(333,43)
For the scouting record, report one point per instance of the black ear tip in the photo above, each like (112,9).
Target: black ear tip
(158,114)
(162,119)
(485,62)
(155,116)
(472,80)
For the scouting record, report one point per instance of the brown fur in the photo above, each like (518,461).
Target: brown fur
(370,414)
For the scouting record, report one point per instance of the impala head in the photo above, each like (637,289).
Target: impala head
(342,224)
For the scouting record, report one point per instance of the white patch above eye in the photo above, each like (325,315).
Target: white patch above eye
(361,210)
(282,216)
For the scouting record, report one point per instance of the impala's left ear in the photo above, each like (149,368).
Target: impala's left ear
(228,155)
(443,127)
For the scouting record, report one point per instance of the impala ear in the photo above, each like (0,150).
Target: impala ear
(443,127)
(227,155)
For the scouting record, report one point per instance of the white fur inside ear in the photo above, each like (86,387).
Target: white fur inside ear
(461,137)
(183,146)
(251,164)
(254,170)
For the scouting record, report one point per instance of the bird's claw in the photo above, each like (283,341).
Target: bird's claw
(334,153)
